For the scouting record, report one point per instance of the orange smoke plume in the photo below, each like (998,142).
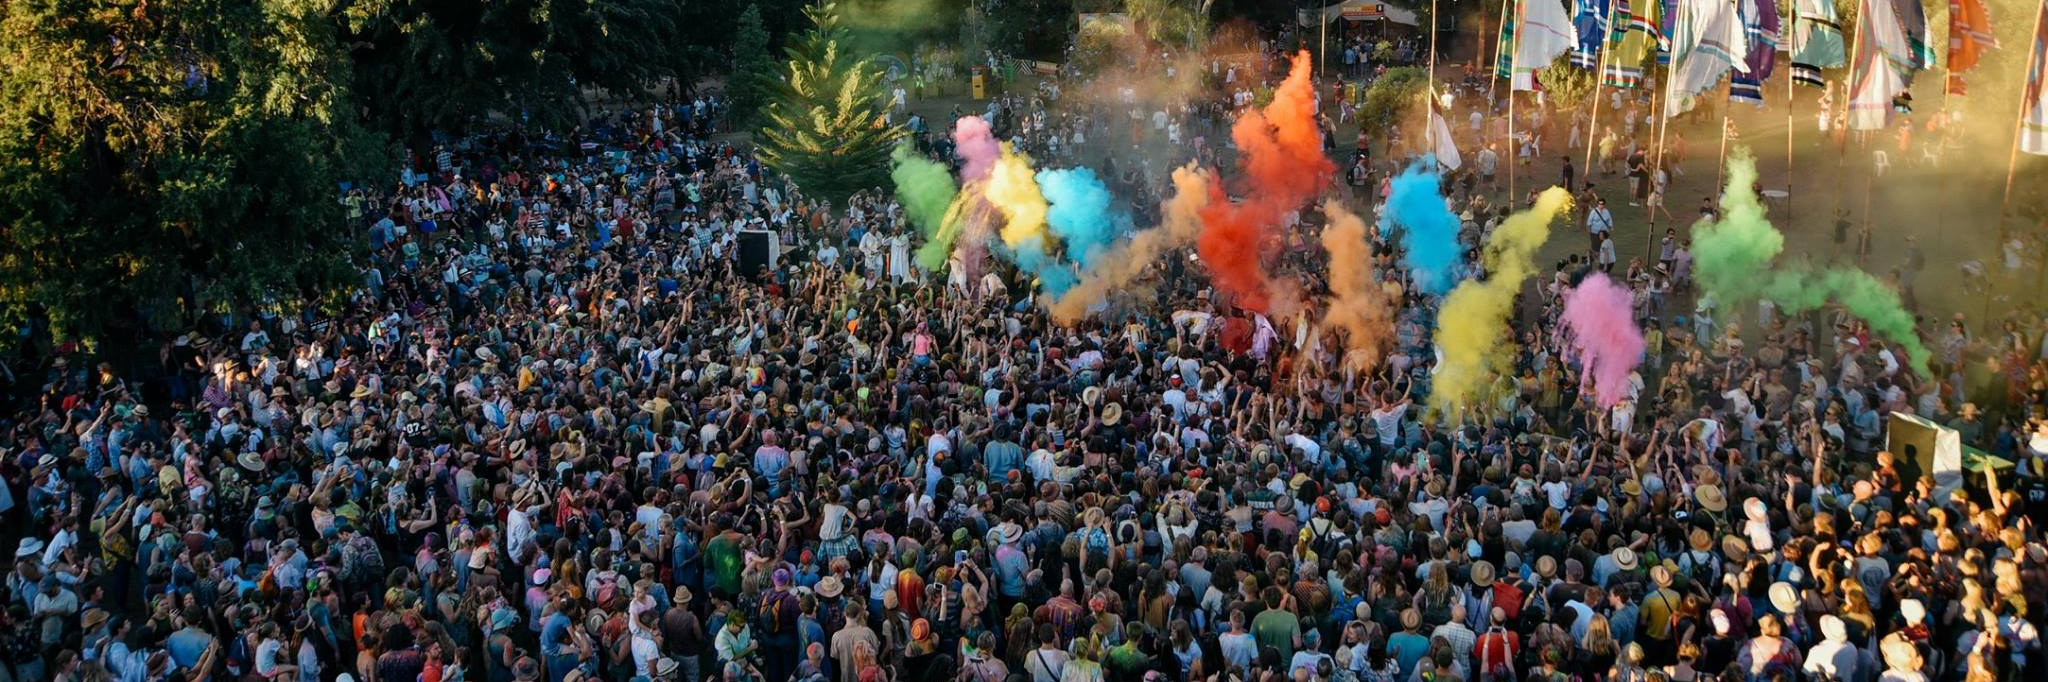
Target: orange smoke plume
(1282,159)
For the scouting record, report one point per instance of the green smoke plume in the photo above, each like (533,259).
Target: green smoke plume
(1735,254)
(927,191)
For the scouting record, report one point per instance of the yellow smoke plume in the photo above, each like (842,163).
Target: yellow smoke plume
(1474,318)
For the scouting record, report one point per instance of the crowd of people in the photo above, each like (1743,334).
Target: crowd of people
(560,433)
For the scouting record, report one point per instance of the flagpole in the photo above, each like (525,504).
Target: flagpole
(1513,147)
(1663,122)
(1791,121)
(1599,74)
(1848,92)
(1429,107)
(2012,161)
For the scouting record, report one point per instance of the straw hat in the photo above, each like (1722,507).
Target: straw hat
(1546,566)
(250,461)
(1632,487)
(1700,540)
(1482,573)
(1784,597)
(1735,548)
(1411,618)
(1913,611)
(360,392)
(1625,558)
(1710,497)
(1091,395)
(1112,413)
(1661,575)
(1833,628)
(829,587)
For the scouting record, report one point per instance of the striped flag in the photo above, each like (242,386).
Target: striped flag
(1969,35)
(1887,56)
(2034,107)
(1816,42)
(1707,41)
(1543,32)
(1633,39)
(1760,27)
(1504,52)
(1667,24)
(1590,20)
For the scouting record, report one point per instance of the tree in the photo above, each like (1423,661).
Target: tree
(1397,91)
(427,65)
(826,126)
(171,158)
(1567,86)
(752,75)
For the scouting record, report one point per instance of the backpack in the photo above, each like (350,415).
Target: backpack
(768,615)
(607,592)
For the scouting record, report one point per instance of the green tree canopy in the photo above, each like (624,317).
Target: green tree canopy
(173,152)
(424,65)
(826,123)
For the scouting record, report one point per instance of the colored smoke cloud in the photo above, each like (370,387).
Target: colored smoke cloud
(1473,322)
(926,189)
(1080,214)
(976,146)
(1600,332)
(1013,189)
(1734,258)
(1427,229)
(1358,305)
(1180,224)
(1282,158)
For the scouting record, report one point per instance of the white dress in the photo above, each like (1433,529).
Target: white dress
(899,258)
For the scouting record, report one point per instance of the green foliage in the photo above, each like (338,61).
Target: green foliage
(1182,23)
(752,74)
(825,125)
(424,65)
(1393,95)
(174,156)
(1032,29)
(1567,87)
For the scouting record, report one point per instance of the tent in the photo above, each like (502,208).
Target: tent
(1365,10)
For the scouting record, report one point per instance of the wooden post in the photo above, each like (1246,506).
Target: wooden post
(1791,122)
(1600,73)
(2012,160)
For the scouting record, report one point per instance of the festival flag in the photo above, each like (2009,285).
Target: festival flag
(1441,143)
(1590,21)
(1706,42)
(1969,35)
(1760,27)
(1504,52)
(1891,46)
(2034,99)
(1816,42)
(1667,23)
(1543,33)
(1635,37)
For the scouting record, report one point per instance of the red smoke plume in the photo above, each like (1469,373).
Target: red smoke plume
(1281,155)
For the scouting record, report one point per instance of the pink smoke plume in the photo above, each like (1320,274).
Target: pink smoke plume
(975,145)
(1600,332)
(1284,169)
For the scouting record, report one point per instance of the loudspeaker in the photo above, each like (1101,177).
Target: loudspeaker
(758,249)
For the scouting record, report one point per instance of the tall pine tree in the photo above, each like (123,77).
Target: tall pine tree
(826,126)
